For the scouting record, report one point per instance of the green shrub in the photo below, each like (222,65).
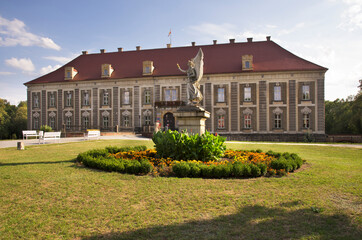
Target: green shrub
(237,170)
(222,171)
(116,149)
(246,170)
(181,169)
(207,171)
(263,168)
(195,170)
(254,170)
(46,128)
(188,147)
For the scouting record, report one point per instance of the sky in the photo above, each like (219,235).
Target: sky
(37,37)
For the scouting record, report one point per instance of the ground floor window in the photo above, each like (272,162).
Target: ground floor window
(148,120)
(126,121)
(221,122)
(52,122)
(105,121)
(277,121)
(85,122)
(306,121)
(36,123)
(68,122)
(247,121)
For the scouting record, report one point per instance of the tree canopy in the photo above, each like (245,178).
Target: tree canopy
(13,119)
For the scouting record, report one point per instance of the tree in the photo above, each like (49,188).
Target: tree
(13,119)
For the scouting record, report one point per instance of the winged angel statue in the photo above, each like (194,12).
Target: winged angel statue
(194,75)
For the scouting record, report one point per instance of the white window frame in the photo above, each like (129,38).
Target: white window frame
(247,94)
(147,97)
(126,121)
(105,98)
(86,98)
(247,121)
(221,121)
(305,92)
(170,95)
(277,93)
(126,95)
(105,121)
(69,100)
(306,121)
(221,94)
(277,121)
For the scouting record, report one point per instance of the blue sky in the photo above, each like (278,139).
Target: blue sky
(39,36)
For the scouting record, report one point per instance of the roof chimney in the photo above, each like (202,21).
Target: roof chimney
(120,49)
(193,44)
(103,50)
(232,40)
(215,42)
(84,52)
(268,38)
(138,48)
(250,39)
(168,45)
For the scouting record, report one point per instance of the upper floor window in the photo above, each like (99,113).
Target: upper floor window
(277,93)
(221,94)
(36,101)
(247,62)
(170,95)
(86,99)
(306,92)
(105,98)
(68,102)
(247,94)
(52,100)
(126,97)
(147,96)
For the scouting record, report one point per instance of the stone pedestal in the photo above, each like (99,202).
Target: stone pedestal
(21,146)
(192,119)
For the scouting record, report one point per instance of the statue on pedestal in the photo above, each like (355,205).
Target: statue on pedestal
(194,75)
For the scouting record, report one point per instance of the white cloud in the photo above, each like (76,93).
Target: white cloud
(13,33)
(61,60)
(6,73)
(24,64)
(352,16)
(48,69)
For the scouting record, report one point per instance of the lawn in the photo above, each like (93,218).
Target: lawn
(45,195)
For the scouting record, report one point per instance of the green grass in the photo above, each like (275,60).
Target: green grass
(45,195)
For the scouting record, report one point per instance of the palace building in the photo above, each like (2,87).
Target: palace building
(253,91)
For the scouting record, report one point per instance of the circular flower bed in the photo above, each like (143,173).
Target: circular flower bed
(234,164)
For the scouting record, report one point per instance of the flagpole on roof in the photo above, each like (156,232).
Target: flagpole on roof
(169,35)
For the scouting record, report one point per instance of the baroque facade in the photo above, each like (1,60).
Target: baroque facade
(253,90)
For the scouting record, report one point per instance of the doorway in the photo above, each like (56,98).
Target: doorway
(169,121)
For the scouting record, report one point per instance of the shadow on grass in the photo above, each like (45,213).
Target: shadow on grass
(34,163)
(252,222)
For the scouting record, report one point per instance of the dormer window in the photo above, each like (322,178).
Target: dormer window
(107,70)
(70,73)
(247,62)
(148,67)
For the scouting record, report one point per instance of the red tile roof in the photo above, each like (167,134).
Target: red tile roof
(220,58)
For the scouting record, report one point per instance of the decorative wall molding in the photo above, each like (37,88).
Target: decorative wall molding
(220,112)
(126,113)
(52,114)
(105,114)
(68,114)
(277,111)
(36,114)
(85,114)
(306,110)
(147,113)
(248,111)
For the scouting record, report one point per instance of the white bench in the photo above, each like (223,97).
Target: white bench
(92,134)
(30,133)
(50,136)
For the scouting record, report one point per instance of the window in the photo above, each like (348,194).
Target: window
(306,92)
(52,122)
(221,94)
(52,100)
(148,120)
(306,121)
(247,121)
(247,64)
(105,98)
(105,121)
(277,121)
(126,121)
(69,74)
(247,94)
(147,96)
(36,101)
(36,123)
(277,93)
(221,122)
(126,97)
(69,100)
(147,69)
(86,122)
(86,99)
(170,95)
(105,72)
(68,122)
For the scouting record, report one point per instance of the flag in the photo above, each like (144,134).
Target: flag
(169,34)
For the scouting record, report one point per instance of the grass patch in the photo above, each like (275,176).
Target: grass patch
(45,195)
